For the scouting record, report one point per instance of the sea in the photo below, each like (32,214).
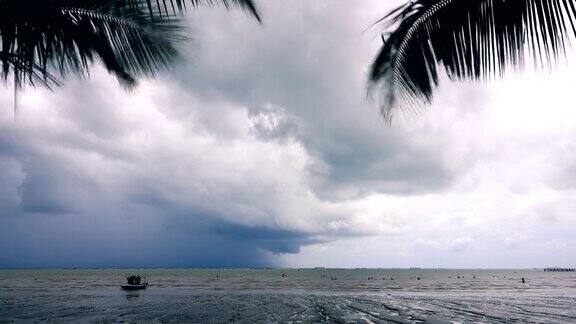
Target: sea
(290,296)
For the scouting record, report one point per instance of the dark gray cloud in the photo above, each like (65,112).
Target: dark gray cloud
(46,243)
(54,214)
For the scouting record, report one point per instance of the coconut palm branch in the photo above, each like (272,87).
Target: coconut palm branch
(162,9)
(43,41)
(468,39)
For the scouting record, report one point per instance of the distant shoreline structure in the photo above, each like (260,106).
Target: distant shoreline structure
(557,269)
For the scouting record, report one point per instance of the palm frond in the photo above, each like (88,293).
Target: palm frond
(25,70)
(127,47)
(247,5)
(42,40)
(55,38)
(469,39)
(166,9)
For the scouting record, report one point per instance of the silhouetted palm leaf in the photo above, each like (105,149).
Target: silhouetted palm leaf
(169,8)
(470,39)
(42,41)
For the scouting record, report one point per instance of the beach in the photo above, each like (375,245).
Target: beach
(290,295)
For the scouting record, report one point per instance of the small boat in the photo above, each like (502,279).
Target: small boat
(134,287)
(135,283)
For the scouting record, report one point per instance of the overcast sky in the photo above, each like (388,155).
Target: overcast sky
(261,149)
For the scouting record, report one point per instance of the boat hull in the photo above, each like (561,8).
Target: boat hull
(134,287)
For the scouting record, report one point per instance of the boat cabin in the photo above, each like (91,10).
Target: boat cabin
(134,280)
(135,283)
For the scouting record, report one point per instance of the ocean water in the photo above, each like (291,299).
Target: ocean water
(291,295)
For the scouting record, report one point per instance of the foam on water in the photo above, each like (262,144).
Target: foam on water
(334,295)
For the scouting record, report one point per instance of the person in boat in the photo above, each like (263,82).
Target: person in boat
(134,280)
(134,283)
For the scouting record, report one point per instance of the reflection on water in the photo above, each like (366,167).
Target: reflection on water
(132,296)
(291,295)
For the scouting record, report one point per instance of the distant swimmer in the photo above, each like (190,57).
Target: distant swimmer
(418,278)
(523,281)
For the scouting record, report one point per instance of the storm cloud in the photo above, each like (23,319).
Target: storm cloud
(260,148)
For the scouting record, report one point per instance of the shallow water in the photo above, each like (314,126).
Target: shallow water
(335,295)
